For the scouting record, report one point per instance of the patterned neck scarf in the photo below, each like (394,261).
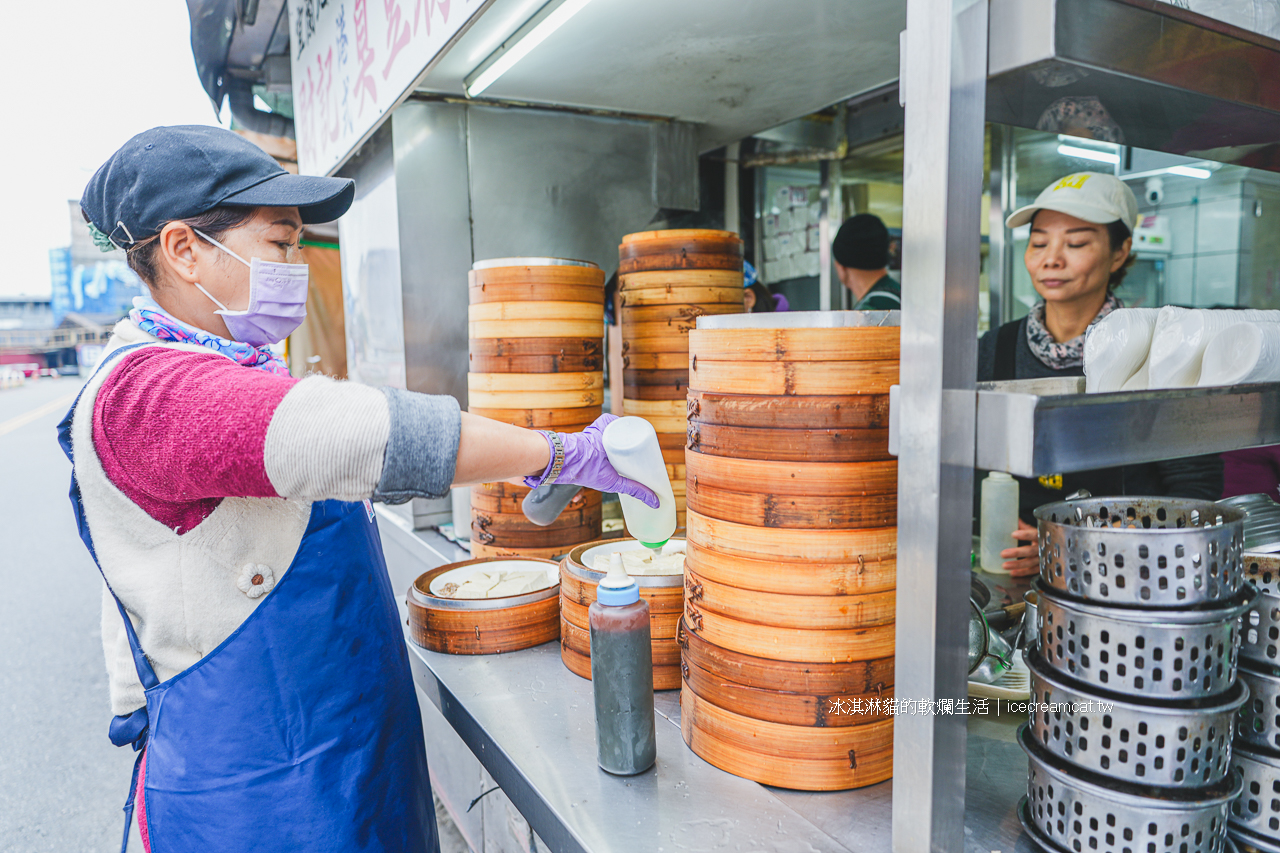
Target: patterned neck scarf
(1060,356)
(154,320)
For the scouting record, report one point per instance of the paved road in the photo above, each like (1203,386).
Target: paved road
(61,781)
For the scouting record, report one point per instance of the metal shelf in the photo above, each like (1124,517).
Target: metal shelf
(1049,426)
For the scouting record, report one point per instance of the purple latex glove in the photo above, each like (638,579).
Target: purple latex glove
(585,464)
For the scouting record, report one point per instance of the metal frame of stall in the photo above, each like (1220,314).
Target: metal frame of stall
(947,425)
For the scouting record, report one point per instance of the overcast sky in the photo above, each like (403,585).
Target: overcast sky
(78,78)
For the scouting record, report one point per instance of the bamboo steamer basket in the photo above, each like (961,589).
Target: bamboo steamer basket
(577,399)
(801,344)
(789,445)
(663,593)
(484,626)
(535,311)
(829,612)
(795,577)
(653,360)
(792,511)
(535,328)
(812,479)
(507,382)
(680,249)
(865,677)
(513,530)
(508,497)
(535,279)
(805,758)
(793,546)
(791,378)
(690,287)
(560,420)
(672,313)
(835,412)
(535,355)
(479,549)
(801,645)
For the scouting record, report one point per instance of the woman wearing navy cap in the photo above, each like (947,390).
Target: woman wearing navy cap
(252,639)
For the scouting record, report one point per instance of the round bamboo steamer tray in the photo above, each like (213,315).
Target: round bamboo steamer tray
(508,498)
(853,412)
(790,445)
(536,328)
(812,479)
(804,345)
(479,549)
(655,408)
(680,249)
(673,312)
(488,628)
(795,546)
(640,297)
(535,399)
(801,512)
(662,336)
(538,270)
(716,285)
(790,644)
(665,652)
(823,612)
(655,392)
(665,676)
(791,378)
(795,577)
(864,677)
(535,311)
(513,347)
(584,381)
(513,530)
(560,420)
(534,363)
(675,377)
(529,291)
(640,360)
(662,625)
(804,758)
(790,707)
(515,523)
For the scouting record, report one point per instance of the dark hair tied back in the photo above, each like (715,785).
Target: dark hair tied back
(215,222)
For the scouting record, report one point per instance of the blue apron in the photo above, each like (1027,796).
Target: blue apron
(301,731)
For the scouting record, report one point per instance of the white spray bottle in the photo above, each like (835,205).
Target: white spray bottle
(632,447)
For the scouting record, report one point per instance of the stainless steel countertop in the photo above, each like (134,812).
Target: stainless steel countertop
(530,722)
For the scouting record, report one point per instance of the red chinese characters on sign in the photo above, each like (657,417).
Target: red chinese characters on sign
(422,11)
(397,34)
(365,86)
(324,93)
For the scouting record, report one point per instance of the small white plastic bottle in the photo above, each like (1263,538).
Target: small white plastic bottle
(632,447)
(998,520)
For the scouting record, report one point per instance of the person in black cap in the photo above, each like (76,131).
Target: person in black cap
(254,647)
(861,253)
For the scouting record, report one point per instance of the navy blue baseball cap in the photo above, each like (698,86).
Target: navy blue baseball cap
(169,173)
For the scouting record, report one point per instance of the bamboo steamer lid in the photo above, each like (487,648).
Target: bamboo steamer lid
(483,626)
(790,445)
(529,279)
(852,412)
(795,577)
(680,249)
(813,479)
(790,644)
(560,420)
(865,677)
(794,546)
(805,758)
(821,612)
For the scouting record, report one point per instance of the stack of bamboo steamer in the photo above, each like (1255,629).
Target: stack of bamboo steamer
(666,280)
(788,630)
(536,361)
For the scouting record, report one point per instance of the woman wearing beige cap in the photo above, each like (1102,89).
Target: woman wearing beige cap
(1079,251)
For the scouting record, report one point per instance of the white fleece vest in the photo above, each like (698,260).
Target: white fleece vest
(184,594)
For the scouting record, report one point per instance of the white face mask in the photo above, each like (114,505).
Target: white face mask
(277,300)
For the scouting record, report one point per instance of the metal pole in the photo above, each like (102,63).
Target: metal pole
(825,271)
(945,78)
(731,203)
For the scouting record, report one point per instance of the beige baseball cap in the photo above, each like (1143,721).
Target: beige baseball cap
(1091,196)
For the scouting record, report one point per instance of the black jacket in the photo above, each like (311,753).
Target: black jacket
(1192,477)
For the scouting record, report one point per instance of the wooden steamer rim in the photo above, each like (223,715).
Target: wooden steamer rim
(666,676)
(854,547)
(804,758)
(666,652)
(792,378)
(843,412)
(482,626)
(562,420)
(500,279)
(533,312)
(819,612)
(812,479)
(803,320)
(575,566)
(587,380)
(765,573)
(498,263)
(797,512)
(789,445)
(801,345)
(810,645)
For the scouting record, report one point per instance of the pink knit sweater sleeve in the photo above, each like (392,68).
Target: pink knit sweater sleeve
(178,431)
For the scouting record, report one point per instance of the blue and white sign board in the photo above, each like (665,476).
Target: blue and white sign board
(353,61)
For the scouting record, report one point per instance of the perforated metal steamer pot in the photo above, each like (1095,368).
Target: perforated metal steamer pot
(1260,634)
(1074,810)
(1157,654)
(1255,816)
(1141,552)
(1166,744)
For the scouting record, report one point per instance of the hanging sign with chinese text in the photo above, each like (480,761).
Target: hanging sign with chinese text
(353,60)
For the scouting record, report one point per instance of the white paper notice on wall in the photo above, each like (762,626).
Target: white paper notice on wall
(354,60)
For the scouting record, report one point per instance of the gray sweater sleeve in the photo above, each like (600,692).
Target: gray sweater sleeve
(422,449)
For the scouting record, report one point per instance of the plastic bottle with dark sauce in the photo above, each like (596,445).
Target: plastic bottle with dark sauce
(622,674)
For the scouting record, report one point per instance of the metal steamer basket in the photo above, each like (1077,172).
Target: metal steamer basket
(1260,636)
(1166,744)
(1154,654)
(1141,552)
(1258,724)
(1074,810)
(1257,811)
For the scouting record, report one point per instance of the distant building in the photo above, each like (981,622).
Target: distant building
(88,281)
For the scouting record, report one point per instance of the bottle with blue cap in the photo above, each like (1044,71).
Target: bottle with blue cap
(622,674)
